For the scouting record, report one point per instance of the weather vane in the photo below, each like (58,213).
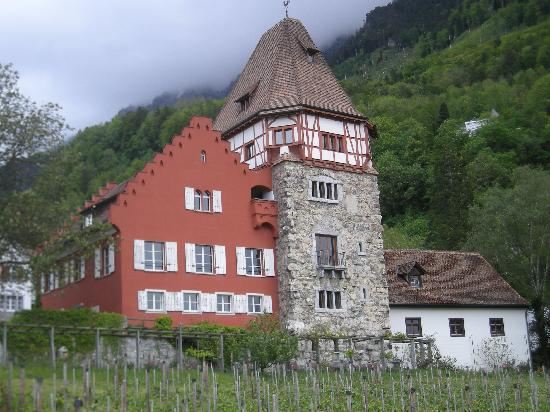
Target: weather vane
(285,3)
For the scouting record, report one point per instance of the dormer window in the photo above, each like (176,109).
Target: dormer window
(244,103)
(88,220)
(415,281)
(412,273)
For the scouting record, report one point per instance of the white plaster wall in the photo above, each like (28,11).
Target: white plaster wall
(435,323)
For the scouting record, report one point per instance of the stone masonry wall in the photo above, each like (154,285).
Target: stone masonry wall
(355,218)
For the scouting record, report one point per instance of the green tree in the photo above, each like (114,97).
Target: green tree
(27,132)
(510,228)
(450,192)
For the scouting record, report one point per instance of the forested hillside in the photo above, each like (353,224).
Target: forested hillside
(418,69)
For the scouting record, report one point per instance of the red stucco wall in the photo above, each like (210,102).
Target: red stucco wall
(153,208)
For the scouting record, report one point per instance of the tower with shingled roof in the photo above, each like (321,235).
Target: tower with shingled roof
(288,112)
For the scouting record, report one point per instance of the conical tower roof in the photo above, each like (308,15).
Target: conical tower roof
(285,72)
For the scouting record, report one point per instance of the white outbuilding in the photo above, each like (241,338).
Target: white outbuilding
(459,300)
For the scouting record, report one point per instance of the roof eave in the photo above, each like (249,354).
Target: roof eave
(289,109)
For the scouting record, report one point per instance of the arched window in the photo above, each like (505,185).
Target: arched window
(206,202)
(203,156)
(198,196)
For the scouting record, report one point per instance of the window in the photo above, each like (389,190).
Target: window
(496,326)
(203,156)
(154,255)
(413,327)
(456,327)
(329,299)
(198,197)
(327,252)
(190,301)
(205,207)
(155,301)
(223,303)
(244,103)
(203,259)
(324,190)
(249,151)
(11,303)
(105,265)
(415,281)
(332,142)
(364,294)
(361,249)
(283,136)
(88,220)
(253,259)
(255,303)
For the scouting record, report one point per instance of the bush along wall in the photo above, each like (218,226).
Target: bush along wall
(34,344)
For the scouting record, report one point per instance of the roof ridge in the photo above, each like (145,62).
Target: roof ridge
(454,252)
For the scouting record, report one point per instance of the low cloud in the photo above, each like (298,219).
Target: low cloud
(95,57)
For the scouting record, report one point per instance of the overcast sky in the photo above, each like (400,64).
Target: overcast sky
(95,57)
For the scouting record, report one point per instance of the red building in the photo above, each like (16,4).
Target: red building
(273,208)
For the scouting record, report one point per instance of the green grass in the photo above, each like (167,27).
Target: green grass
(433,390)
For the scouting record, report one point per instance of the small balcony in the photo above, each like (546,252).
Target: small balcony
(331,264)
(264,213)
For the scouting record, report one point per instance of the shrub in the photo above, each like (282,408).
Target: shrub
(268,343)
(36,342)
(163,323)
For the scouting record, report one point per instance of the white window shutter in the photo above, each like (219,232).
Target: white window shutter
(42,284)
(219,256)
(142,300)
(269,262)
(169,301)
(97,263)
(111,258)
(66,272)
(241,261)
(189,198)
(178,301)
(241,303)
(82,267)
(208,302)
(139,255)
(171,256)
(217,201)
(52,281)
(56,278)
(213,302)
(190,257)
(267,304)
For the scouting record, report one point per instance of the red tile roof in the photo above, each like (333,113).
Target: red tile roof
(450,278)
(279,76)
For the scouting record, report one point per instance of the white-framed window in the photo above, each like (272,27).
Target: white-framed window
(88,219)
(204,262)
(191,301)
(155,301)
(329,300)
(253,258)
(154,255)
(361,251)
(255,303)
(198,200)
(205,206)
(203,201)
(255,262)
(224,303)
(11,303)
(324,189)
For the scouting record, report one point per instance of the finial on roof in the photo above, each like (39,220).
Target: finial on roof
(286,3)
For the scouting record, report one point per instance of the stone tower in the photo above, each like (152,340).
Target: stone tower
(288,112)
